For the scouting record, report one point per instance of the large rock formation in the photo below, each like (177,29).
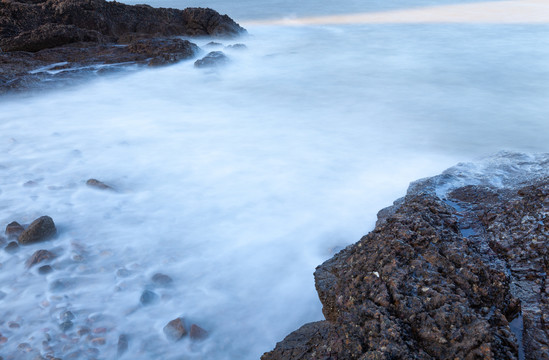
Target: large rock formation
(38,33)
(454,270)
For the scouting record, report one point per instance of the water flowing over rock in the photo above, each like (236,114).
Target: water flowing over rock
(455,269)
(175,329)
(213,59)
(41,229)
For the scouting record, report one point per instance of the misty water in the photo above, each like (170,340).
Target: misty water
(238,182)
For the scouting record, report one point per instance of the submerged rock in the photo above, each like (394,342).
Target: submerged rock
(444,274)
(213,59)
(122,345)
(197,333)
(12,247)
(148,297)
(175,329)
(39,256)
(161,280)
(14,229)
(41,229)
(94,183)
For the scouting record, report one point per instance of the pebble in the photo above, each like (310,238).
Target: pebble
(148,297)
(66,325)
(161,279)
(122,344)
(122,273)
(66,315)
(39,256)
(45,269)
(197,333)
(94,183)
(98,341)
(13,325)
(83,331)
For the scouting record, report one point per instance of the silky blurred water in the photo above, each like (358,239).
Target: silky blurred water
(238,182)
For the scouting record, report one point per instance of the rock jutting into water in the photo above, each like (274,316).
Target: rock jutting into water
(454,270)
(40,39)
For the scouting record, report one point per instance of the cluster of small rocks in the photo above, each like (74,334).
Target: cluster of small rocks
(78,334)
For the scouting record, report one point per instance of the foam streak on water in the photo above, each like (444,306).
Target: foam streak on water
(238,182)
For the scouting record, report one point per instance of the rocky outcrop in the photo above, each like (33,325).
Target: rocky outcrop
(37,37)
(454,270)
(37,25)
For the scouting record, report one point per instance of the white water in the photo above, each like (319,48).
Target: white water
(237,183)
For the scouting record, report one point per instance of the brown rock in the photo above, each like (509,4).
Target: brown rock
(41,229)
(12,247)
(39,256)
(164,51)
(197,333)
(14,229)
(98,341)
(94,183)
(433,283)
(175,329)
(213,59)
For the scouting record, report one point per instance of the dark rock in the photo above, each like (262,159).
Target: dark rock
(161,280)
(122,344)
(164,51)
(213,59)
(63,284)
(148,297)
(98,184)
(66,315)
(175,329)
(2,295)
(46,269)
(39,256)
(417,288)
(14,229)
(39,230)
(236,47)
(12,247)
(197,333)
(66,325)
(84,33)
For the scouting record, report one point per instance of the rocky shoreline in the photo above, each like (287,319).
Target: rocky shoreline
(45,40)
(454,270)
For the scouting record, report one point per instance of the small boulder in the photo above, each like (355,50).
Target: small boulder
(175,329)
(46,269)
(66,325)
(197,333)
(41,229)
(39,256)
(213,59)
(14,229)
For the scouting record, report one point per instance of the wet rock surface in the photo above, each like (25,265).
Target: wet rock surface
(175,329)
(213,59)
(39,230)
(454,270)
(65,39)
